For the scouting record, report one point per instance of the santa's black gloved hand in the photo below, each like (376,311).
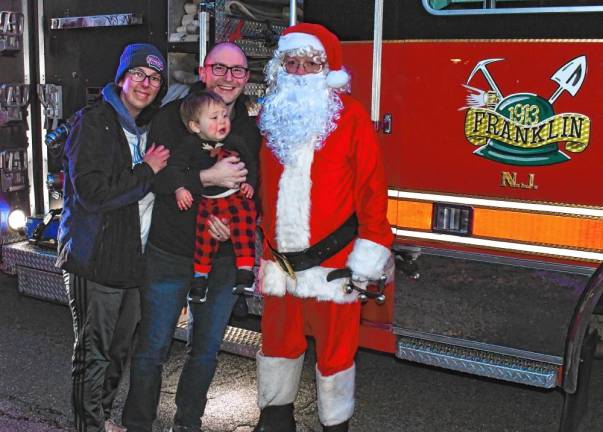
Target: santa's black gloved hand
(198,291)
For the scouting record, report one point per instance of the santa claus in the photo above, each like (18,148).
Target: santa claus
(324,201)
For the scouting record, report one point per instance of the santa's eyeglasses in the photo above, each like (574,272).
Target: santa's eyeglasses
(219,69)
(292,66)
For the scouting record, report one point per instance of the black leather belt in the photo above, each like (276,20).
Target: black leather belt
(316,254)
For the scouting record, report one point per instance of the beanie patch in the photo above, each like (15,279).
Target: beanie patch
(155,62)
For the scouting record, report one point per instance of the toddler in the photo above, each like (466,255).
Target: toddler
(205,116)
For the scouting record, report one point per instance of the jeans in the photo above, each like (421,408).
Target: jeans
(163,295)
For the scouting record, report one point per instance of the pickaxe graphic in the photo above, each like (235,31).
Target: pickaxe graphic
(570,77)
(481,67)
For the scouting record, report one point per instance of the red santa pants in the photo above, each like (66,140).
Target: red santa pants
(335,327)
(241,215)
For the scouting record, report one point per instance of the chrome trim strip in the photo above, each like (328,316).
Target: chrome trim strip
(111,20)
(480,346)
(42,80)
(377,48)
(27,79)
(292,12)
(510,205)
(504,245)
(203,34)
(497,259)
(527,10)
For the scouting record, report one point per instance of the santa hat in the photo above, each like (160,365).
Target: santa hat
(315,36)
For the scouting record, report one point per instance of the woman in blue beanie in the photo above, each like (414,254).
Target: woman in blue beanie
(109,170)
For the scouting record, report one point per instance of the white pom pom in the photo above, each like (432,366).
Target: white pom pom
(337,79)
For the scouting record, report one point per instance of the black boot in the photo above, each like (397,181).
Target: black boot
(198,291)
(341,427)
(276,418)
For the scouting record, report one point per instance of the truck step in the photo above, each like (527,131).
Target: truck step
(236,340)
(480,361)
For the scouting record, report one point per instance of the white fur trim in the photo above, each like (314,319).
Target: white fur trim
(311,283)
(292,41)
(293,202)
(272,280)
(368,259)
(337,78)
(335,396)
(278,379)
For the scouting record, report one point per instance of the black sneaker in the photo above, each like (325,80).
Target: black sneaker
(198,291)
(244,282)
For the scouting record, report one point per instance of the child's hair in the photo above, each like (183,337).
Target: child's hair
(193,105)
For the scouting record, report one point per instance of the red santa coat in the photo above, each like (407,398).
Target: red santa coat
(310,198)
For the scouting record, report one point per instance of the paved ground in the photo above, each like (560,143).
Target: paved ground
(35,350)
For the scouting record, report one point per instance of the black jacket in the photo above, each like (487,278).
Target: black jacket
(99,235)
(173,230)
(190,156)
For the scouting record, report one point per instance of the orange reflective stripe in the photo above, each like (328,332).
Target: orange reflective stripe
(576,232)
(537,228)
(410,214)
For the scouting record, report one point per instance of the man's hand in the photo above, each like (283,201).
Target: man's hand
(230,172)
(246,190)
(156,157)
(218,228)
(184,199)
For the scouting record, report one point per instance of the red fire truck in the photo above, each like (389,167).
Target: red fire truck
(487,113)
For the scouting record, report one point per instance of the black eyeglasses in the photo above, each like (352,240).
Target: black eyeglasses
(218,69)
(140,76)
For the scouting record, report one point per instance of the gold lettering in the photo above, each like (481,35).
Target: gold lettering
(508,179)
(530,184)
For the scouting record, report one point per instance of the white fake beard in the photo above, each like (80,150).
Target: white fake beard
(300,110)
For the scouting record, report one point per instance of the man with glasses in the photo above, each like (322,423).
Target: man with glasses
(324,201)
(170,257)
(109,166)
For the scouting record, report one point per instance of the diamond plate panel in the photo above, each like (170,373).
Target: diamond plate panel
(243,342)
(505,368)
(236,340)
(28,255)
(42,285)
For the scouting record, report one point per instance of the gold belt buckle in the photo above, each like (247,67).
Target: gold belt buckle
(284,263)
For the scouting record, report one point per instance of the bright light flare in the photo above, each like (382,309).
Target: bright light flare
(17,219)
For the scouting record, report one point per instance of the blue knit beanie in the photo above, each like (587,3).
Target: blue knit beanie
(140,54)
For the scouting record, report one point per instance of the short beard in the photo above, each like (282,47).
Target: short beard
(301,109)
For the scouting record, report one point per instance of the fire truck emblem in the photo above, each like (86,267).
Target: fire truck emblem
(522,128)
